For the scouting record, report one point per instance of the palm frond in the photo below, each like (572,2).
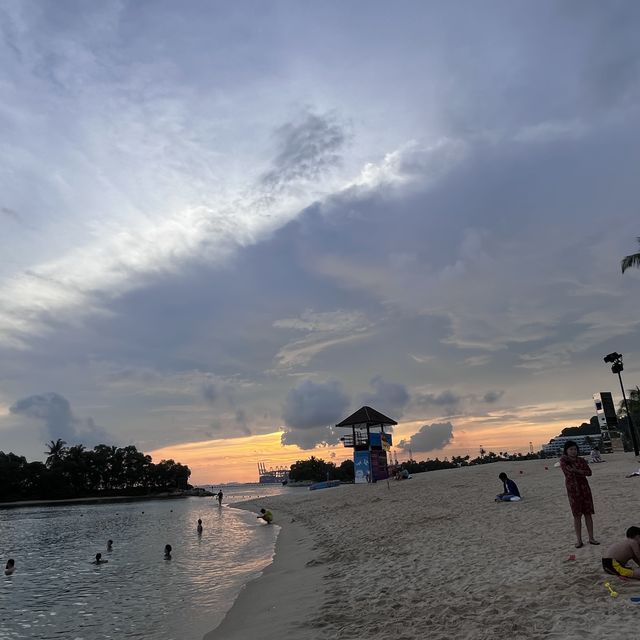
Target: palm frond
(630,261)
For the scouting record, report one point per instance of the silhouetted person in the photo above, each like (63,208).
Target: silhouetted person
(510,489)
(109,545)
(220,494)
(167,552)
(199,525)
(10,568)
(576,470)
(99,559)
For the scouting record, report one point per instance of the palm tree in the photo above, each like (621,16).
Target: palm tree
(631,261)
(56,449)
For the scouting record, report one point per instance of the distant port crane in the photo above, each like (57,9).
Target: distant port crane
(272,475)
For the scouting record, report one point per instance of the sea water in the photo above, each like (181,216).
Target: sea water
(56,592)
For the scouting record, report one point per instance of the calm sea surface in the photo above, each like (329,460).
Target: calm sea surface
(57,593)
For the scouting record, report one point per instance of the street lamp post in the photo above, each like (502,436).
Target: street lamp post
(617,367)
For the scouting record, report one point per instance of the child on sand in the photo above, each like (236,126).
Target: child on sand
(267,516)
(575,471)
(619,553)
(510,489)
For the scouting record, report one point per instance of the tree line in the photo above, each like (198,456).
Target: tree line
(78,472)
(317,470)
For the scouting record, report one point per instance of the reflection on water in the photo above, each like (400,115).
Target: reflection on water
(57,593)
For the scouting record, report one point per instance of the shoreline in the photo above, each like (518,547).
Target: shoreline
(279,602)
(95,500)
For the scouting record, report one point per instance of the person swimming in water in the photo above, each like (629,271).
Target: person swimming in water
(10,567)
(265,515)
(199,525)
(99,559)
(167,552)
(220,494)
(109,545)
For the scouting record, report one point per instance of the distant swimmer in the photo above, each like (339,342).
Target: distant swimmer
(109,545)
(167,552)
(267,516)
(10,568)
(199,525)
(220,494)
(99,559)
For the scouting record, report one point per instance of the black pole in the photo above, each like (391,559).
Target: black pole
(629,419)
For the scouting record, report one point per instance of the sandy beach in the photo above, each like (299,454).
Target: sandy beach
(436,557)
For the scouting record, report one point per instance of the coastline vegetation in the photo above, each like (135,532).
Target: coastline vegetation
(317,470)
(78,472)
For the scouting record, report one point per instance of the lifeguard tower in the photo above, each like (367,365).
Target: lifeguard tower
(370,443)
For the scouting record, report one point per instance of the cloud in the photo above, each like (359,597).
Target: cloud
(307,148)
(429,437)
(449,401)
(492,396)
(11,214)
(54,411)
(326,321)
(446,398)
(241,421)
(210,392)
(310,410)
(210,243)
(309,438)
(390,398)
(477,361)
(325,330)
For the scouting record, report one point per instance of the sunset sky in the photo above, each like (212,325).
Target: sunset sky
(226,226)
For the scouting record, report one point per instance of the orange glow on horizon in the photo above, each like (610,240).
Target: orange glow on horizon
(236,459)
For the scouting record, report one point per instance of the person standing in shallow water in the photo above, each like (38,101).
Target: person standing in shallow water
(167,551)
(220,494)
(575,471)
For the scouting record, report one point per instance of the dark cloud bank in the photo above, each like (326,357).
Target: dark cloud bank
(54,412)
(310,410)
(429,437)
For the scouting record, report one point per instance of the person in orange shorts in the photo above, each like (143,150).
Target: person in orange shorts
(618,554)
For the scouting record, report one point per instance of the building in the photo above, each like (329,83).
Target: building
(608,421)
(585,443)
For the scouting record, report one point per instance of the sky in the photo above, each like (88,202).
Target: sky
(226,226)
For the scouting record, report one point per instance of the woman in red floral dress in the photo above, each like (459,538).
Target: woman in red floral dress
(575,471)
